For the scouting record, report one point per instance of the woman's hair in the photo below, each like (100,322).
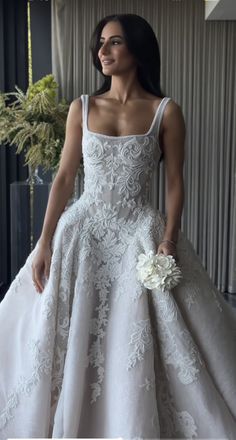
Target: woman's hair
(141,42)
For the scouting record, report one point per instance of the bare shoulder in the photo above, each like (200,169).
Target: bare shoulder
(72,148)
(77,102)
(172,132)
(75,112)
(172,108)
(173,118)
(74,120)
(76,106)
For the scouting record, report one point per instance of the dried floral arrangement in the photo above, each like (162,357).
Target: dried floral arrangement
(35,122)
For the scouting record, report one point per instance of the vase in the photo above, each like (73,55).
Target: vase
(33,178)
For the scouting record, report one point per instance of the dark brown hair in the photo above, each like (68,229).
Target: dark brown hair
(141,42)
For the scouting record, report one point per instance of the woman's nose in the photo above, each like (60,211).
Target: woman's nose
(104,49)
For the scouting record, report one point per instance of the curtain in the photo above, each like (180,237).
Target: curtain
(13,70)
(198,62)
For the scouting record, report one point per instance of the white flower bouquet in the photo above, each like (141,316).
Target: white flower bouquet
(158,271)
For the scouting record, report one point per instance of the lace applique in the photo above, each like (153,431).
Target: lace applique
(59,305)
(110,235)
(42,357)
(195,280)
(128,184)
(109,275)
(177,346)
(49,307)
(121,289)
(96,359)
(108,268)
(97,328)
(16,283)
(141,340)
(172,423)
(122,168)
(112,162)
(148,384)
(191,297)
(184,422)
(41,366)
(187,363)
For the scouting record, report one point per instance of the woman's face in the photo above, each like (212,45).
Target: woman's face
(113,49)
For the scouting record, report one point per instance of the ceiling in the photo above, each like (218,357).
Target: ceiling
(220,9)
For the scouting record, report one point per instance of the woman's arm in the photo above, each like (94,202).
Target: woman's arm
(172,142)
(63,183)
(61,190)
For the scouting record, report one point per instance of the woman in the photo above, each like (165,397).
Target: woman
(94,353)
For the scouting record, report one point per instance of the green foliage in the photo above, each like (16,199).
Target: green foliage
(35,122)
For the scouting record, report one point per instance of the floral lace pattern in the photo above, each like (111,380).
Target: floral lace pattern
(172,422)
(190,285)
(178,349)
(141,340)
(41,366)
(147,341)
(148,384)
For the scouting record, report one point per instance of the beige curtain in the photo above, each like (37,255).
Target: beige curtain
(198,70)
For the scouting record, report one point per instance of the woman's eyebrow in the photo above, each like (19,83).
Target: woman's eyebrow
(102,38)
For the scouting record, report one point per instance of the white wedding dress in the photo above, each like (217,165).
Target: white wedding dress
(96,355)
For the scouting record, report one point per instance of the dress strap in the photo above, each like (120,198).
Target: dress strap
(156,122)
(84,99)
(160,113)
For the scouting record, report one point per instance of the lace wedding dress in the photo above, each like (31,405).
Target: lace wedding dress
(96,355)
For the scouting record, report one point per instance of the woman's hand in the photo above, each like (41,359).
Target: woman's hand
(41,266)
(167,247)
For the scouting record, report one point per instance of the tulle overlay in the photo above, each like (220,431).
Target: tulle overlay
(97,354)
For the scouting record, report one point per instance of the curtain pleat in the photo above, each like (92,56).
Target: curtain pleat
(198,60)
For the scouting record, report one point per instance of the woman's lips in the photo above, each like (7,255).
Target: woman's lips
(107,62)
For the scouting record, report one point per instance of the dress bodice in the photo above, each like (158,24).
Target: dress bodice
(118,169)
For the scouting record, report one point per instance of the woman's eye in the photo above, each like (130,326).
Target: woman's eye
(113,42)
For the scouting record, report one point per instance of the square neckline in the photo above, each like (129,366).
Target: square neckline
(124,136)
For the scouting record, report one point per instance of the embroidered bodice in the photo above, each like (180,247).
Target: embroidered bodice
(118,169)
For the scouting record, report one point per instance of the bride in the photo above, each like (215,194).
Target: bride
(86,350)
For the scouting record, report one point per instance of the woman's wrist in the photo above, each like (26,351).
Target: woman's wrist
(171,234)
(44,242)
(171,242)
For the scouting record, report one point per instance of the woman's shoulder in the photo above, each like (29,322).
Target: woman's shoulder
(76,106)
(77,101)
(75,111)
(173,118)
(172,109)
